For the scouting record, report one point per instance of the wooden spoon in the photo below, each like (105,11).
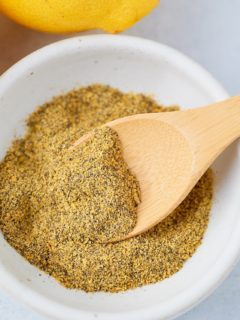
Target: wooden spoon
(169,152)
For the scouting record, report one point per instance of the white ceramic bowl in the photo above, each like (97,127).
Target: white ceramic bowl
(137,65)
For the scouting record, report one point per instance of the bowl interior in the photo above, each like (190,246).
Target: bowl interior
(130,65)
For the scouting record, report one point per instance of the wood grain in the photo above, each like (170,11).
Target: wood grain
(17,41)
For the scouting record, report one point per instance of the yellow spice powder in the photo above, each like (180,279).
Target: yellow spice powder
(55,210)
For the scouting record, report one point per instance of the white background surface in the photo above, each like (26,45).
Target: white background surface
(209,32)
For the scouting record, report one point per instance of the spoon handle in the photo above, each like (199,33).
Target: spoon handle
(209,129)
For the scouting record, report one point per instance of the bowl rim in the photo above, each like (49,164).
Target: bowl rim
(189,298)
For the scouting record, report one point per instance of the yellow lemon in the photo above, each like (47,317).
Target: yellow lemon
(61,16)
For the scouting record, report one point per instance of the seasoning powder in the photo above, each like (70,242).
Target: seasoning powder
(57,207)
(93,195)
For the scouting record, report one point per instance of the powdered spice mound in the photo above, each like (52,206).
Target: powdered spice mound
(32,176)
(93,196)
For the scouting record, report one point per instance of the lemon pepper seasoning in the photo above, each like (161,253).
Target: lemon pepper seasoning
(38,185)
(94,194)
